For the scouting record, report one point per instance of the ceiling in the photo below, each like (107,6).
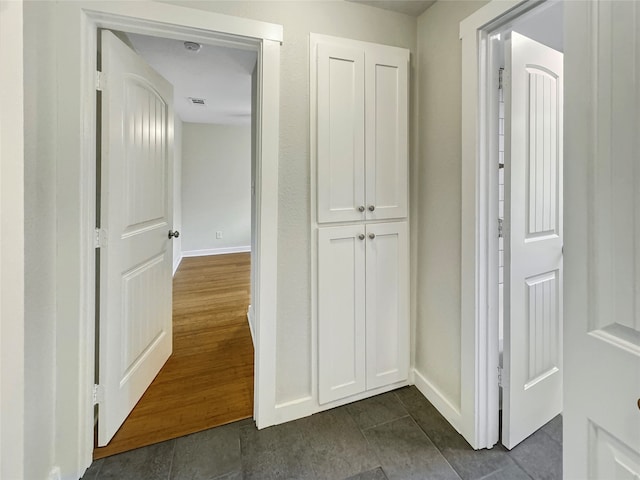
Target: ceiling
(221,76)
(413,8)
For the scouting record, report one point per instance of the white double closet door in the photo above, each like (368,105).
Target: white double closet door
(533,238)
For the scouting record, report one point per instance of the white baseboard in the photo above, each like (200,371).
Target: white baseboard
(251,319)
(176,264)
(216,251)
(438,400)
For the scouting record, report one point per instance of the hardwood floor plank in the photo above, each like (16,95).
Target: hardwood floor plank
(208,380)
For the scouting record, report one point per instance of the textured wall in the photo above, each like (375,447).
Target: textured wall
(437,336)
(216,186)
(40,235)
(299,19)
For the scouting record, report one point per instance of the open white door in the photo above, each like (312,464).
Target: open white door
(602,314)
(136,214)
(532,377)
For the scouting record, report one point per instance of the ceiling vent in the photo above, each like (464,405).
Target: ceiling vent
(197,101)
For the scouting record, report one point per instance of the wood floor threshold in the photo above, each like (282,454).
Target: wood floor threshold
(208,380)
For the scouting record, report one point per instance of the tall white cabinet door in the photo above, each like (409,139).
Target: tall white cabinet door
(340,134)
(532,393)
(387,304)
(341,312)
(387,83)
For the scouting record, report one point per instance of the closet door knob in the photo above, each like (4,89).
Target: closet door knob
(173,234)
(371,208)
(361,208)
(361,236)
(372,235)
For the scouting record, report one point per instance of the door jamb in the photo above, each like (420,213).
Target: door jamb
(76,177)
(479,242)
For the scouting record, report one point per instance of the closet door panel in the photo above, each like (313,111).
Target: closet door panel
(386,79)
(340,133)
(341,312)
(387,304)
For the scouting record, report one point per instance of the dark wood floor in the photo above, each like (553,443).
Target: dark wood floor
(208,380)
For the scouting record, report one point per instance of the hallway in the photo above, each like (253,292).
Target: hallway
(208,380)
(397,435)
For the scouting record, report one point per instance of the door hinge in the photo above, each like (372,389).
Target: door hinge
(100,81)
(99,238)
(500,228)
(98,394)
(500,75)
(500,377)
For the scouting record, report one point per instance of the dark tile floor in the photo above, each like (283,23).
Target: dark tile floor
(398,435)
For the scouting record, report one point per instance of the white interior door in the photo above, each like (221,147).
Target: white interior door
(532,378)
(602,331)
(341,312)
(136,214)
(387,308)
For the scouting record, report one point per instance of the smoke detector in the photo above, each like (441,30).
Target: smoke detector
(192,46)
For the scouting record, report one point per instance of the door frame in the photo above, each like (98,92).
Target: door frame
(78,23)
(479,242)
(12,321)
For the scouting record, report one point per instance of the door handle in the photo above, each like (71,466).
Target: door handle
(361,208)
(372,208)
(173,234)
(372,235)
(361,236)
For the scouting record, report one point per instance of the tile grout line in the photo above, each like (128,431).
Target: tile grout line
(173,456)
(436,447)
(383,423)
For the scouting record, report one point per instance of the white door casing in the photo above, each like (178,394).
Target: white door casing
(602,256)
(135,334)
(532,379)
(341,312)
(387,303)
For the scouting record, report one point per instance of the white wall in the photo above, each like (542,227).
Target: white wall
(52,273)
(177,190)
(438,351)
(216,187)
(544,25)
(349,20)
(40,244)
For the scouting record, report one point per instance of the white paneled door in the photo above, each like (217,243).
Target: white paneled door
(386,87)
(532,379)
(602,178)
(387,303)
(341,311)
(341,196)
(136,214)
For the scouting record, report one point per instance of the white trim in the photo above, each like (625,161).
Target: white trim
(12,380)
(479,338)
(215,251)
(251,319)
(306,406)
(153,21)
(176,263)
(438,399)
(76,67)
